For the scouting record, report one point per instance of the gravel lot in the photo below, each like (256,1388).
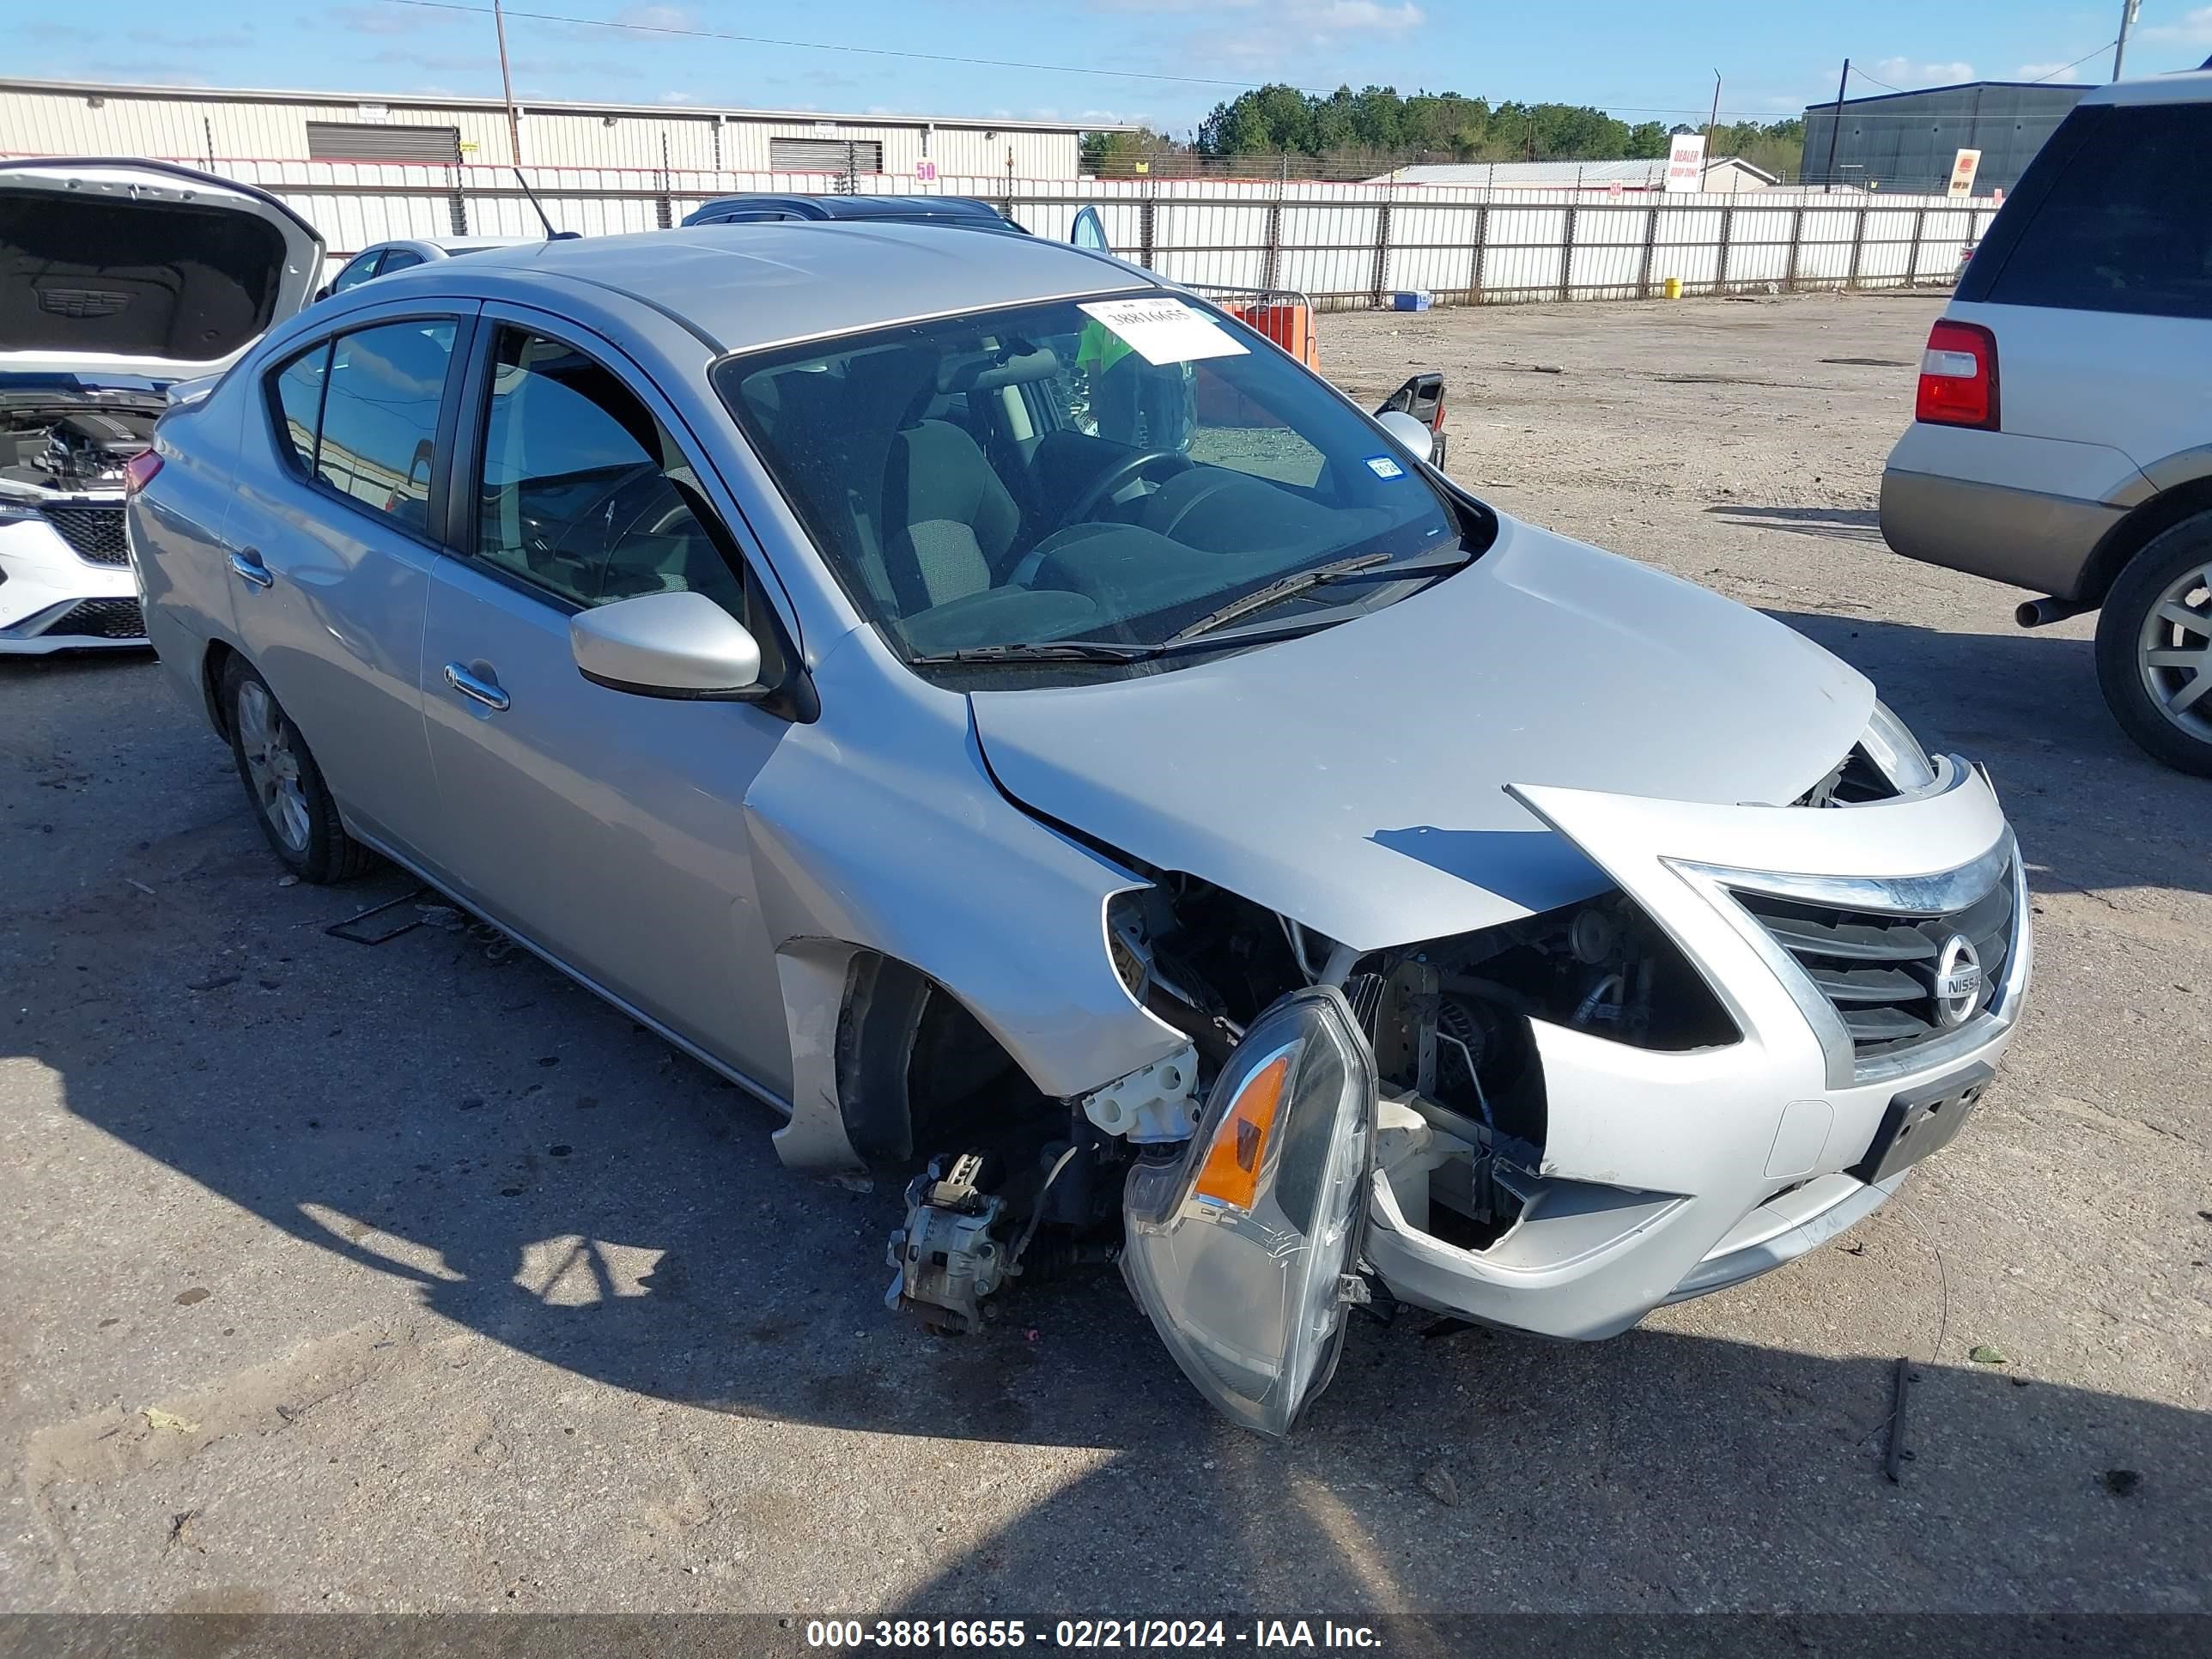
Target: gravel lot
(402,1277)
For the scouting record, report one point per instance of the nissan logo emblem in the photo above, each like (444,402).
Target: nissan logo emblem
(1957,982)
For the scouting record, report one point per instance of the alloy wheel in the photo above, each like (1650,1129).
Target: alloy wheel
(2173,653)
(272,765)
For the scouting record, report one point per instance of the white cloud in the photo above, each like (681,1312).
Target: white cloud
(1904,72)
(2194,29)
(656,17)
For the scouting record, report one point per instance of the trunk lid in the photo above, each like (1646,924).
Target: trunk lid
(141,270)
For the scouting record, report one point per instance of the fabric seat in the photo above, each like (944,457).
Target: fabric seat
(950,521)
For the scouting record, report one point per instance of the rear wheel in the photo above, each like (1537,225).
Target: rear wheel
(291,803)
(2154,647)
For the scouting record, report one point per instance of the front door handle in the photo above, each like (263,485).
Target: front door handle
(484,691)
(246,565)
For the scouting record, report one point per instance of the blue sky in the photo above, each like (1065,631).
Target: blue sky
(1641,60)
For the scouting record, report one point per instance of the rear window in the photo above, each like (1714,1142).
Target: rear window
(2127,223)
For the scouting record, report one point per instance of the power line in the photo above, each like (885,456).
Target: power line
(2094,51)
(1885,85)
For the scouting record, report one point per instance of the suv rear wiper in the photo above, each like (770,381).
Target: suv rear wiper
(1039,651)
(1361,567)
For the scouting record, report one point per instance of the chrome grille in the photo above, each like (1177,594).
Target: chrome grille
(1878,971)
(93,533)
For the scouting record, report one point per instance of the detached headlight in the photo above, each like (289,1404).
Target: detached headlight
(1239,1249)
(1890,744)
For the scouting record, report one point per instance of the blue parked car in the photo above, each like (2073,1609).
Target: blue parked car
(896,209)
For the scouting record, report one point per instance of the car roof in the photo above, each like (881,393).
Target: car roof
(2191,87)
(863,207)
(742,287)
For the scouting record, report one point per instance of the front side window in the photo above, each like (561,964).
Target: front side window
(583,492)
(2127,227)
(380,427)
(399,259)
(1112,471)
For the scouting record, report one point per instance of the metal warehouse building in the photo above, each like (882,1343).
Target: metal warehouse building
(205,126)
(1906,141)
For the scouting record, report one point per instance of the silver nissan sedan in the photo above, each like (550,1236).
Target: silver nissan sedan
(1016,720)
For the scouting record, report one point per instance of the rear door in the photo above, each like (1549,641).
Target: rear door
(2097,283)
(607,828)
(331,545)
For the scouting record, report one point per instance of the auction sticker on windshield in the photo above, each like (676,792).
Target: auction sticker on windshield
(1163,331)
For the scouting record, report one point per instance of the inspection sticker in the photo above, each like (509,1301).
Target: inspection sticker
(1165,331)
(1383,467)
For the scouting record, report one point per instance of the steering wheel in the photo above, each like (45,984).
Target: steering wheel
(1119,477)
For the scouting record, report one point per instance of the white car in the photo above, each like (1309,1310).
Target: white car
(384,258)
(118,281)
(2063,437)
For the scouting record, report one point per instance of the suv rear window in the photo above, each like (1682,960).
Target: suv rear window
(2126,225)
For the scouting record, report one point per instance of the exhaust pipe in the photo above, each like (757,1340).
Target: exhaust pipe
(2041,613)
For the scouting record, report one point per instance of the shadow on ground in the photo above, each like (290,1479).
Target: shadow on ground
(1843,523)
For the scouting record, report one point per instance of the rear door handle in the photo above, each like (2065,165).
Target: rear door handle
(484,691)
(246,564)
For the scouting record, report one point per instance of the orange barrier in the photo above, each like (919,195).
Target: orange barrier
(1288,323)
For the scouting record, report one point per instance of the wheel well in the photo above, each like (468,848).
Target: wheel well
(2133,533)
(213,666)
(916,1070)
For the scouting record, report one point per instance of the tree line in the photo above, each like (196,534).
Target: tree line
(1380,122)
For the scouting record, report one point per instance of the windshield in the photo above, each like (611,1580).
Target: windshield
(1109,471)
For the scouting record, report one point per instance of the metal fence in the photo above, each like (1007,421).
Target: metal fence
(1347,245)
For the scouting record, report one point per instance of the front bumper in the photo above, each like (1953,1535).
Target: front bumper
(1670,1176)
(54,598)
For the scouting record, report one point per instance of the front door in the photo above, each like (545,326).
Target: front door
(607,828)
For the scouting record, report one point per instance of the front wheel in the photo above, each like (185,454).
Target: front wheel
(2154,647)
(291,802)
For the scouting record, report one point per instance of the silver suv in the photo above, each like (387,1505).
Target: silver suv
(2063,437)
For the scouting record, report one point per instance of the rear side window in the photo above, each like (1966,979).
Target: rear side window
(399,259)
(2127,226)
(358,272)
(377,442)
(299,393)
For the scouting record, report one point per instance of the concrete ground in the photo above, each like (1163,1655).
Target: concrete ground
(408,1276)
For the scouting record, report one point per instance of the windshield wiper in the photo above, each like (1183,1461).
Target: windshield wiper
(1361,567)
(1039,651)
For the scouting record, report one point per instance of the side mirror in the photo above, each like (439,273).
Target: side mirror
(322,293)
(667,645)
(1409,432)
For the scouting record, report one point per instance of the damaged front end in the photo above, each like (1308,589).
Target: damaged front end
(1735,1050)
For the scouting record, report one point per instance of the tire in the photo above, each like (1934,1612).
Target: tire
(2154,647)
(291,803)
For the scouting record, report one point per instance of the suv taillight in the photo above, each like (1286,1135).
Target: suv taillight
(1958,377)
(138,472)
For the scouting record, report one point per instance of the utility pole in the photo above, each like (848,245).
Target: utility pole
(1714,121)
(2129,10)
(1836,127)
(513,124)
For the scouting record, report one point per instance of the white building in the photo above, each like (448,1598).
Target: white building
(209,126)
(1724,175)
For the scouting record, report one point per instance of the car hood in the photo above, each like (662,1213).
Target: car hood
(130,269)
(1354,780)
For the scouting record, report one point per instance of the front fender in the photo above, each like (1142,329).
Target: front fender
(885,832)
